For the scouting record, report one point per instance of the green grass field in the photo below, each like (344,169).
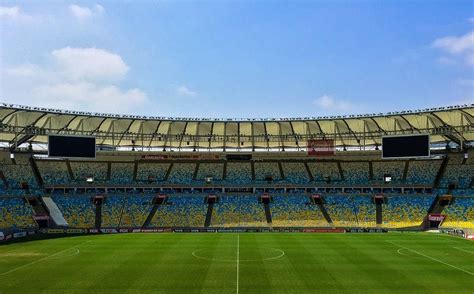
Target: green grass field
(240,263)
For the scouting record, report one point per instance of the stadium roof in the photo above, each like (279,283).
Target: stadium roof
(22,124)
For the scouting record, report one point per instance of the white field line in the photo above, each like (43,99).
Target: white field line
(44,258)
(399,251)
(472,252)
(76,252)
(6,252)
(432,258)
(238,261)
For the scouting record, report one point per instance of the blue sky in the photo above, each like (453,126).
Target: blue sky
(237,58)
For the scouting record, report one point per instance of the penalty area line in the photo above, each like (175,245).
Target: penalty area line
(432,258)
(472,252)
(44,258)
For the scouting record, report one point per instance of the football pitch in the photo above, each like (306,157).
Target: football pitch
(240,263)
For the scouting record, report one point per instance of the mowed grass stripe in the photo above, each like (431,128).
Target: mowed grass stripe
(313,263)
(219,275)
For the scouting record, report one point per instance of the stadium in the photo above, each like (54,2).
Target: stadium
(257,146)
(284,205)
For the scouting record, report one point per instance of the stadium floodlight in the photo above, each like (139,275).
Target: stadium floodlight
(90,179)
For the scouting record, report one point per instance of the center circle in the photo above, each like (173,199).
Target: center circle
(247,254)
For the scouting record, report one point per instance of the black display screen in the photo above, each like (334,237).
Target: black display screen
(406,146)
(71,146)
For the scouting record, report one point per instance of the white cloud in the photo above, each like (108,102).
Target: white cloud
(456,45)
(89,63)
(14,13)
(185,91)
(25,70)
(11,12)
(80,12)
(78,79)
(329,103)
(83,13)
(460,47)
(90,97)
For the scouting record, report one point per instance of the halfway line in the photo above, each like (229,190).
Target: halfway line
(36,261)
(238,261)
(432,258)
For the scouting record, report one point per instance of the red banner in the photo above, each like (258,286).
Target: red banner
(324,231)
(321,147)
(181,156)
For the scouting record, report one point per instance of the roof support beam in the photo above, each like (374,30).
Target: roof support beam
(154,133)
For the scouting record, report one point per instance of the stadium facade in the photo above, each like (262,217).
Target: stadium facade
(158,173)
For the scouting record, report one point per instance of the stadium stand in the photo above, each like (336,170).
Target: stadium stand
(184,211)
(406,211)
(182,173)
(346,179)
(77,210)
(239,173)
(16,174)
(423,172)
(457,173)
(325,171)
(295,172)
(252,213)
(53,172)
(84,169)
(393,168)
(364,208)
(212,170)
(356,173)
(263,170)
(342,210)
(152,172)
(121,173)
(112,209)
(136,210)
(15,213)
(238,211)
(296,211)
(459,214)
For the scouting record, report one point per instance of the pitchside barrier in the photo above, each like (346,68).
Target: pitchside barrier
(209,230)
(464,233)
(20,234)
(4,237)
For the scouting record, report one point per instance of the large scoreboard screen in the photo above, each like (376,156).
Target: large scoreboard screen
(71,146)
(408,146)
